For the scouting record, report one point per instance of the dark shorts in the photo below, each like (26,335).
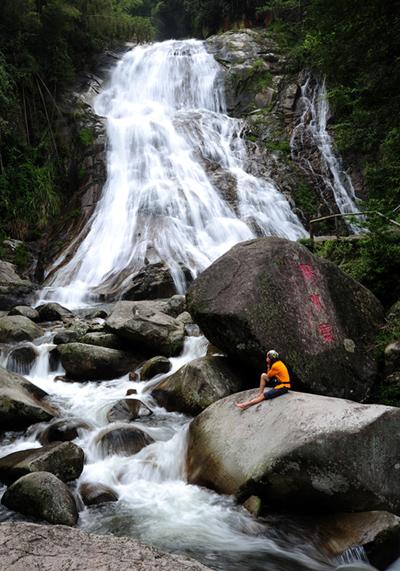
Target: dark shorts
(272,393)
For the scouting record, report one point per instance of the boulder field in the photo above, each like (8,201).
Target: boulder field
(272,293)
(299,452)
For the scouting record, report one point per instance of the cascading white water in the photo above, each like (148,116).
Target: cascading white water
(311,131)
(155,502)
(166,122)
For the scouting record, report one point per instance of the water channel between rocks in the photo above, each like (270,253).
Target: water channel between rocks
(155,503)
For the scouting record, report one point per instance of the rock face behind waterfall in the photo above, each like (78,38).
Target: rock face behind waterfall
(299,452)
(272,293)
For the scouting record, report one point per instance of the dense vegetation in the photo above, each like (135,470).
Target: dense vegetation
(43,45)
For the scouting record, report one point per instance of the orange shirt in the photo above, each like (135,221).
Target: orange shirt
(279,371)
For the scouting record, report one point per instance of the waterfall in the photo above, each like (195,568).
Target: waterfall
(169,142)
(311,133)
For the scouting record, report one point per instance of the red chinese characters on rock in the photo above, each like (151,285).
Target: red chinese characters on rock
(325,330)
(307,271)
(316,301)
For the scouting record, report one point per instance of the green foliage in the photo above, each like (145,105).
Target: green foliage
(43,44)
(305,198)
(86,137)
(27,194)
(373,260)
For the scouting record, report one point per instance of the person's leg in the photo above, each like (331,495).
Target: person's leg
(273,393)
(263,382)
(244,405)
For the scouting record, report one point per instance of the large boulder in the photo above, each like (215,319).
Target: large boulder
(53,312)
(21,402)
(154,281)
(123,440)
(13,289)
(273,293)
(18,328)
(91,362)
(299,452)
(28,546)
(64,460)
(44,496)
(143,324)
(197,385)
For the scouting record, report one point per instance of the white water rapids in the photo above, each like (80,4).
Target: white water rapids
(169,136)
(155,502)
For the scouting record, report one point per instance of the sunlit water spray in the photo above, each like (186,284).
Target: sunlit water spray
(167,130)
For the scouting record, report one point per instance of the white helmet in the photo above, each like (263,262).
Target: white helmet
(273,354)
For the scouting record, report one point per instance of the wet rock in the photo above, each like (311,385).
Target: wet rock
(63,430)
(97,314)
(185,318)
(154,282)
(64,460)
(53,312)
(95,494)
(25,311)
(299,452)
(197,385)
(44,496)
(392,357)
(91,362)
(55,548)
(249,59)
(155,366)
(175,305)
(67,336)
(273,293)
(13,290)
(103,340)
(378,532)
(146,327)
(125,440)
(133,376)
(18,328)
(21,359)
(128,410)
(21,402)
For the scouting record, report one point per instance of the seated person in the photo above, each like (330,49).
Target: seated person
(277,377)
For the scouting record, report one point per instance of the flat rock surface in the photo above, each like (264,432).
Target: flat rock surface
(28,546)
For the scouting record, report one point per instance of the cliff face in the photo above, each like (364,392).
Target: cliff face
(280,106)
